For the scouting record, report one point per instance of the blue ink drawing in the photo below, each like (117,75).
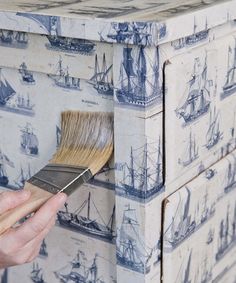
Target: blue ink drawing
(190,153)
(197,102)
(11,101)
(203,273)
(230,85)
(92,225)
(184,271)
(100,80)
(131,251)
(183,224)
(29,141)
(22,177)
(81,269)
(136,89)
(14,39)
(157,251)
(227,235)
(4,278)
(214,135)
(37,274)
(4,162)
(230,177)
(63,78)
(210,236)
(143,176)
(193,39)
(26,76)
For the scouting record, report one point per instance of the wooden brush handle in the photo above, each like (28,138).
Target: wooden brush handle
(37,198)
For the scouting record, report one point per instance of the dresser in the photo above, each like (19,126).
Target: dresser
(164,208)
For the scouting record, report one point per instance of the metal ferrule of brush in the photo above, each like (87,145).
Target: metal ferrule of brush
(56,178)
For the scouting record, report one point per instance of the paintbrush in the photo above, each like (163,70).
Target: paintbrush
(86,146)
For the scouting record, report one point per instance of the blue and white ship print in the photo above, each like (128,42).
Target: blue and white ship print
(143,176)
(184,272)
(184,224)
(23,177)
(36,274)
(190,152)
(135,89)
(197,102)
(14,39)
(26,76)
(12,101)
(203,273)
(214,135)
(131,251)
(43,250)
(210,236)
(195,38)
(4,163)
(227,234)
(81,270)
(83,221)
(29,142)
(230,177)
(229,87)
(102,79)
(63,79)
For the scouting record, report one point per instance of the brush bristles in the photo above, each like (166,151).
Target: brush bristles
(87,139)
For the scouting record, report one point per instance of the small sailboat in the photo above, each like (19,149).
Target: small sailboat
(214,134)
(29,141)
(37,274)
(230,177)
(43,249)
(210,236)
(4,161)
(27,76)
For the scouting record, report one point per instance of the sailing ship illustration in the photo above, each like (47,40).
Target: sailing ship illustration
(4,161)
(27,76)
(230,85)
(131,251)
(6,90)
(87,223)
(15,39)
(230,177)
(81,270)
(210,173)
(139,33)
(100,80)
(43,249)
(182,225)
(227,235)
(191,152)
(197,102)
(135,88)
(142,177)
(25,105)
(29,141)
(37,274)
(205,275)
(4,278)
(23,177)
(208,210)
(184,272)
(193,39)
(157,251)
(63,78)
(214,135)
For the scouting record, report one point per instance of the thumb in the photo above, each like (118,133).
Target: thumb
(9,200)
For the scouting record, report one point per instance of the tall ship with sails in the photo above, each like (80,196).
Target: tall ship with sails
(230,84)
(135,88)
(37,274)
(63,79)
(184,272)
(6,90)
(143,176)
(26,76)
(131,251)
(29,141)
(93,225)
(230,177)
(15,39)
(197,102)
(100,80)
(191,152)
(81,271)
(214,135)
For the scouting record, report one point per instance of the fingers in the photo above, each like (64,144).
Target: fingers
(9,200)
(38,223)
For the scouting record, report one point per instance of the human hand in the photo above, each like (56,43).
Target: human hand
(21,244)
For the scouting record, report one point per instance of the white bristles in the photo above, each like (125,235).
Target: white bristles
(87,139)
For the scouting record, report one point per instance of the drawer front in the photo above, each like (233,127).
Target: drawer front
(199,229)
(200,109)
(56,55)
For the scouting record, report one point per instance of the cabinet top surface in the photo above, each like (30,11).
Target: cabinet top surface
(111,10)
